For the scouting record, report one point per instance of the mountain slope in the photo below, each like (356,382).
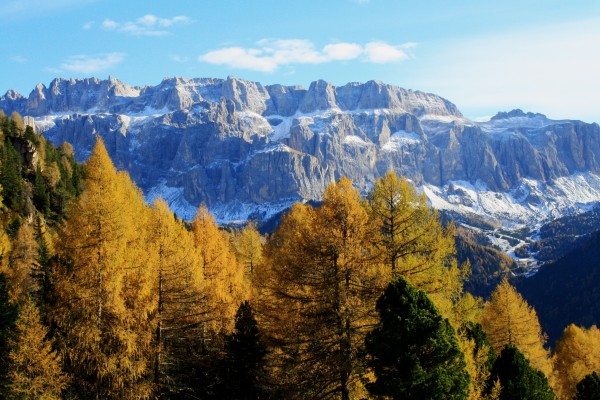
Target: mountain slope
(568,290)
(248,150)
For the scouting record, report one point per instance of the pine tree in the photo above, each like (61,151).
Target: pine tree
(588,388)
(34,369)
(321,280)
(577,354)
(104,286)
(8,316)
(245,353)
(42,272)
(518,380)
(41,199)
(413,351)
(509,320)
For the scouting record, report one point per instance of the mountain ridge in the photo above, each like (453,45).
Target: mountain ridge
(249,151)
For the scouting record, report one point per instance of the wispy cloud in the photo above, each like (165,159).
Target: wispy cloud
(360,1)
(147,25)
(269,54)
(179,59)
(19,59)
(88,25)
(90,64)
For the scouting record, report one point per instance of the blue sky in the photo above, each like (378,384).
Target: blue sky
(485,56)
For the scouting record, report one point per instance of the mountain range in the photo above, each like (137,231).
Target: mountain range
(249,151)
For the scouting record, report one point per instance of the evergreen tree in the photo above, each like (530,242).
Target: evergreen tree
(244,359)
(42,273)
(588,388)
(413,351)
(13,191)
(8,316)
(41,198)
(34,368)
(518,380)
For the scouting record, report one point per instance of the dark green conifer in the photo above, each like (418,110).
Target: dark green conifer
(244,363)
(519,381)
(414,351)
(588,388)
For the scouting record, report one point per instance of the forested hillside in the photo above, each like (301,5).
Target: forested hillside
(568,290)
(103,296)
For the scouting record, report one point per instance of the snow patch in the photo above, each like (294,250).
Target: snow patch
(401,139)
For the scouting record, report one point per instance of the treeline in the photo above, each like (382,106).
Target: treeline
(356,298)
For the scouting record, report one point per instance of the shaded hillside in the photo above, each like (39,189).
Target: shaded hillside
(561,236)
(568,290)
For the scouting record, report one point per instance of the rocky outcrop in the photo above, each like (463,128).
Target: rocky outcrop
(232,141)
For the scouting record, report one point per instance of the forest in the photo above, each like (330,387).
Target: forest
(103,296)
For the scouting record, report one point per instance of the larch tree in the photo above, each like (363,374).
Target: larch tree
(321,282)
(226,284)
(21,262)
(249,247)
(508,320)
(180,291)
(415,244)
(414,352)
(34,370)
(104,286)
(577,354)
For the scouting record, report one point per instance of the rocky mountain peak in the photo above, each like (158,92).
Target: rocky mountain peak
(516,113)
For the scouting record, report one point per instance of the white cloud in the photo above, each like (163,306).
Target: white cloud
(19,59)
(90,64)
(88,25)
(269,54)
(110,24)
(237,57)
(343,51)
(147,25)
(179,59)
(382,53)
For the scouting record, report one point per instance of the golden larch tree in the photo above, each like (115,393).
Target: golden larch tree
(577,354)
(321,280)
(248,244)
(104,286)
(180,290)
(415,244)
(226,284)
(508,319)
(34,370)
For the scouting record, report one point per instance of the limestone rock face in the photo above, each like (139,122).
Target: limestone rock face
(238,146)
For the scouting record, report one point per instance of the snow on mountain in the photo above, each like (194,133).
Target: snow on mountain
(249,151)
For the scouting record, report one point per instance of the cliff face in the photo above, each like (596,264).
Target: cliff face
(237,145)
